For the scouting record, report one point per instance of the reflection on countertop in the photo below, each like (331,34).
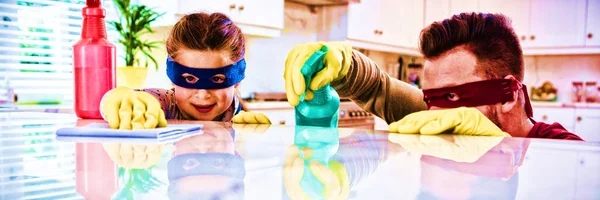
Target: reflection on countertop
(278,162)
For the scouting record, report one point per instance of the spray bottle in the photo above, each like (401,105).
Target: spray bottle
(323,109)
(94,62)
(316,126)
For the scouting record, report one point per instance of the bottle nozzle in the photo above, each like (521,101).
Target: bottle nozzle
(93,3)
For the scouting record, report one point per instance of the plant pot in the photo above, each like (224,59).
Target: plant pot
(132,77)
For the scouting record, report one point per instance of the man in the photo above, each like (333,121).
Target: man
(473,71)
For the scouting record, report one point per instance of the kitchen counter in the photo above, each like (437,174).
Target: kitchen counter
(265,162)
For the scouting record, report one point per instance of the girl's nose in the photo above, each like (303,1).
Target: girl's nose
(202,94)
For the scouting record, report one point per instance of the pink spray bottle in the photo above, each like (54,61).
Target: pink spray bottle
(94,62)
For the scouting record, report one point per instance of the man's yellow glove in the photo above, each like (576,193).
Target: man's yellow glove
(128,109)
(334,178)
(337,63)
(250,118)
(134,156)
(458,148)
(462,121)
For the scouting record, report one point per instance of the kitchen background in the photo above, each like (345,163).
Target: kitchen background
(560,39)
(559,48)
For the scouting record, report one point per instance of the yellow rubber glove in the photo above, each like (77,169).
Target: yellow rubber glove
(128,109)
(134,156)
(458,148)
(244,117)
(337,63)
(251,128)
(334,178)
(462,121)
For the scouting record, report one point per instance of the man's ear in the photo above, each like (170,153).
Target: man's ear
(236,85)
(509,105)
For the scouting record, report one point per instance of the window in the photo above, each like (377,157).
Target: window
(36,38)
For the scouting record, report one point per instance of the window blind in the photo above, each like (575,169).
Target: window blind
(36,64)
(36,39)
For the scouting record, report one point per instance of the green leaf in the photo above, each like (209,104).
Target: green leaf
(135,21)
(151,58)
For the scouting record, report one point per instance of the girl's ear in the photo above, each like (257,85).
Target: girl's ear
(236,85)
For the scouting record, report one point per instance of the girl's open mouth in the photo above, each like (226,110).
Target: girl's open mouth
(204,108)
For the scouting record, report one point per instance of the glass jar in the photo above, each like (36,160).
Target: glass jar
(577,92)
(591,92)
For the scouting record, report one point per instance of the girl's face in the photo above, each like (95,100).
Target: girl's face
(203,104)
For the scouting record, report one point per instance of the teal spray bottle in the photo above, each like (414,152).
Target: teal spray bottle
(323,109)
(316,126)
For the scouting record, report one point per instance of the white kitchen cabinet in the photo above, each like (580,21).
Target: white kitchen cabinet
(436,10)
(564,116)
(363,23)
(404,33)
(587,124)
(252,16)
(593,23)
(516,10)
(461,6)
(382,25)
(544,27)
(541,164)
(557,23)
(169,8)
(587,173)
(260,13)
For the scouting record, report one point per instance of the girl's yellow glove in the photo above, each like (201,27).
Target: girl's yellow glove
(244,117)
(462,121)
(134,156)
(128,109)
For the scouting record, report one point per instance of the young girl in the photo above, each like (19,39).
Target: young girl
(205,64)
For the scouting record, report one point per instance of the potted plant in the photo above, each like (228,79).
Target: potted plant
(134,21)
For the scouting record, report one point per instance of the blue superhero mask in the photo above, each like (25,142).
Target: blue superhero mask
(195,78)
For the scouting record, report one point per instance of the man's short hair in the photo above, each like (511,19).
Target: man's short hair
(490,37)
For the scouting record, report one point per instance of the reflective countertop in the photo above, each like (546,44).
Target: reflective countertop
(230,161)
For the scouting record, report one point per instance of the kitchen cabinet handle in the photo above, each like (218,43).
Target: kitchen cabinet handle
(579,118)
(376,32)
(532,37)
(232,6)
(241,7)
(545,117)
(523,37)
(282,122)
(590,35)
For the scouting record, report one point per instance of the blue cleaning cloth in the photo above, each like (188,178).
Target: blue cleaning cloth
(172,131)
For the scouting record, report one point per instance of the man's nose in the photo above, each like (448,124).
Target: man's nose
(435,108)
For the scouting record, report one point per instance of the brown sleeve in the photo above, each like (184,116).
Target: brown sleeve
(375,91)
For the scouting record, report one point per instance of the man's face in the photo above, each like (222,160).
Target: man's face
(453,68)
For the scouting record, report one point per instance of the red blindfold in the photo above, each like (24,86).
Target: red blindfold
(477,93)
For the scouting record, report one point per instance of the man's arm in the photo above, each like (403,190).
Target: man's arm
(375,91)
